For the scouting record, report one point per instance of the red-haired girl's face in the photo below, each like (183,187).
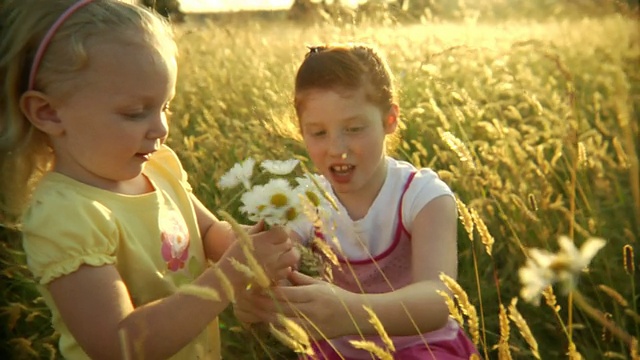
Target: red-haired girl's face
(345,134)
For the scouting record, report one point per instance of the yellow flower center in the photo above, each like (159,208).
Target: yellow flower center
(279,200)
(291,214)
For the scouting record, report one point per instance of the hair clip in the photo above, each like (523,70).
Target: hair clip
(316,49)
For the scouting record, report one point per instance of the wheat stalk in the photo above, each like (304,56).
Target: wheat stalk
(453,308)
(288,341)
(485,235)
(227,287)
(372,348)
(465,217)
(504,353)
(465,305)
(459,148)
(373,320)
(613,294)
(202,292)
(523,327)
(246,243)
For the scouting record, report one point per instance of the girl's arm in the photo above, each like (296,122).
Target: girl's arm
(216,235)
(434,247)
(434,250)
(96,307)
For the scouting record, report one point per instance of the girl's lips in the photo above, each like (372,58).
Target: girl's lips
(144,156)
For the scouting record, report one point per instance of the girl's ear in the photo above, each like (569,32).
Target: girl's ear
(391,119)
(37,107)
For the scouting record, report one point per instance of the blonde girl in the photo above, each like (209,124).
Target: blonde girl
(111,229)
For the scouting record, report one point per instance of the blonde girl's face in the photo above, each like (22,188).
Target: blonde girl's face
(116,116)
(345,135)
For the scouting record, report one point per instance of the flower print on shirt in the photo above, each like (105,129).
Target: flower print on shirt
(175,241)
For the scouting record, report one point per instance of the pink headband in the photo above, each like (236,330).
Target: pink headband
(47,39)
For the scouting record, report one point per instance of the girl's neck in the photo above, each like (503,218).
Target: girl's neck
(359,202)
(137,186)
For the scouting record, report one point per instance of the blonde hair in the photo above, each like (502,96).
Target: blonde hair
(25,154)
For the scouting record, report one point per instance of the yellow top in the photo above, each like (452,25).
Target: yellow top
(152,239)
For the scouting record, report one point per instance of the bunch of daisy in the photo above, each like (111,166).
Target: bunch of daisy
(283,199)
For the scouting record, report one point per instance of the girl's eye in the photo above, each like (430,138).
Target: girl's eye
(136,115)
(355,129)
(317,133)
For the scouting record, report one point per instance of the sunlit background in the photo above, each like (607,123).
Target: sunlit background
(527,109)
(190,6)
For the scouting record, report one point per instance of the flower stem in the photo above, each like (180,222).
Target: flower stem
(598,316)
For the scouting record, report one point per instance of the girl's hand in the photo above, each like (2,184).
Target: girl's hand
(252,306)
(316,305)
(273,250)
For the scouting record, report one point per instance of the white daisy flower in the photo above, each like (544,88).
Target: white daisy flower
(279,192)
(572,261)
(307,187)
(254,202)
(279,167)
(240,173)
(283,215)
(579,259)
(275,202)
(535,276)
(544,268)
(284,203)
(315,188)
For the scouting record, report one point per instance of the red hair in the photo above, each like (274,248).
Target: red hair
(346,67)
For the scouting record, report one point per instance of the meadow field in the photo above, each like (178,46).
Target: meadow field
(533,124)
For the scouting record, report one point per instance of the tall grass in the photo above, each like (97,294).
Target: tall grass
(534,125)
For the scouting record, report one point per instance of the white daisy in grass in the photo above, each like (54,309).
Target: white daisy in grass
(544,268)
(535,276)
(571,260)
(279,167)
(240,173)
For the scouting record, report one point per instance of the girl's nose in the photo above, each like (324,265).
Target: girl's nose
(337,145)
(159,128)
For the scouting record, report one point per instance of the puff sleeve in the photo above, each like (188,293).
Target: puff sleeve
(62,231)
(167,162)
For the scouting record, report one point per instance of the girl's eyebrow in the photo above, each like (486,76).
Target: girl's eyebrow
(353,118)
(347,119)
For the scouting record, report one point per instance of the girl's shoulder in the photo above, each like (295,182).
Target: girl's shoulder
(56,189)
(65,227)
(424,177)
(60,197)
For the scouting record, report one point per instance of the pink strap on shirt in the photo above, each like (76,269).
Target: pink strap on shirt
(396,235)
(46,40)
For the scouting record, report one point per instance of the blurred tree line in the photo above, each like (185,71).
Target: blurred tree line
(411,10)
